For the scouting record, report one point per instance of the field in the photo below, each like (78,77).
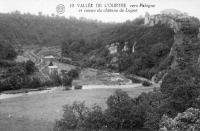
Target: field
(37,112)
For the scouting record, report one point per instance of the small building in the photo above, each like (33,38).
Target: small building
(53,69)
(49,58)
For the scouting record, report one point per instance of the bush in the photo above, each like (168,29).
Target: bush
(186,121)
(78,87)
(122,112)
(73,73)
(66,80)
(30,67)
(32,83)
(146,83)
(133,79)
(95,118)
(73,117)
(35,83)
(7,51)
(182,89)
(55,79)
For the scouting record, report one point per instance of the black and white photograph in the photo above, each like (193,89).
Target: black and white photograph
(99,65)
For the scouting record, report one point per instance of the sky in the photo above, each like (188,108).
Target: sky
(48,7)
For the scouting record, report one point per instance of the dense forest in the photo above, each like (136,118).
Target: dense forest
(21,30)
(87,41)
(153,46)
(82,38)
(26,29)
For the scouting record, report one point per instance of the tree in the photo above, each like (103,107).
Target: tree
(30,67)
(56,79)
(186,121)
(66,80)
(7,51)
(181,89)
(119,114)
(73,73)
(73,116)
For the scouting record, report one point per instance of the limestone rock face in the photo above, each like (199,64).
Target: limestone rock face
(113,48)
(133,48)
(125,47)
(117,47)
(170,17)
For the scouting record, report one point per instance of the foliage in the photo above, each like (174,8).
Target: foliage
(81,38)
(56,80)
(182,90)
(146,83)
(73,117)
(33,83)
(95,118)
(66,81)
(18,75)
(30,67)
(186,121)
(153,44)
(73,73)
(123,112)
(119,111)
(7,51)
(78,87)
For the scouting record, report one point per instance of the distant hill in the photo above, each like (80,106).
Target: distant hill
(141,49)
(27,29)
(171,12)
(150,49)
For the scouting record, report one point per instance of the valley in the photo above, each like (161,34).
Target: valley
(136,75)
(20,109)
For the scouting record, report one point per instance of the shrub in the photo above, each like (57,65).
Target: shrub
(95,118)
(56,79)
(77,87)
(15,82)
(73,117)
(186,121)
(67,81)
(47,83)
(35,83)
(73,73)
(7,63)
(7,51)
(31,83)
(146,83)
(133,79)
(122,112)
(182,89)
(30,67)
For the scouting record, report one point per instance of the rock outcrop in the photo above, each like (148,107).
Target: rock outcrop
(113,48)
(186,46)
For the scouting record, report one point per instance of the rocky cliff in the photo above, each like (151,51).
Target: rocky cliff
(186,47)
(165,42)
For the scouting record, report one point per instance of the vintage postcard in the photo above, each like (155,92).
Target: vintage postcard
(99,65)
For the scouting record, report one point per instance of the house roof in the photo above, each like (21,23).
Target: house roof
(48,57)
(53,67)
